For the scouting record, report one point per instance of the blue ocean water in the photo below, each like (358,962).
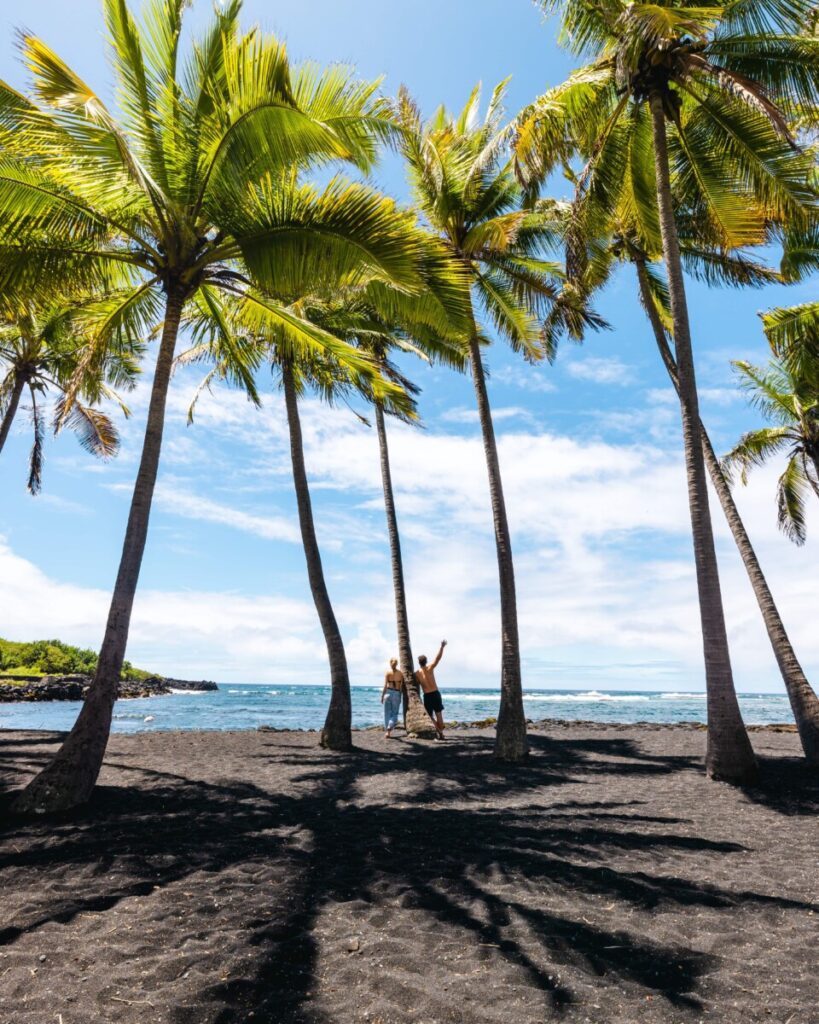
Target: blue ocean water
(304,707)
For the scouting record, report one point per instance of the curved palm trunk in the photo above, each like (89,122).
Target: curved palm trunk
(510,738)
(729,756)
(416,719)
(804,702)
(336,733)
(11,408)
(70,778)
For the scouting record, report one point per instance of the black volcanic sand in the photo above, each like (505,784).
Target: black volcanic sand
(227,877)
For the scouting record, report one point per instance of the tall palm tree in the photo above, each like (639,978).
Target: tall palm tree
(336,733)
(803,700)
(621,245)
(465,188)
(367,317)
(705,91)
(791,401)
(39,353)
(381,321)
(189,195)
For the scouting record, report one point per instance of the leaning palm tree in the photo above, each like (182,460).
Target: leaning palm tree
(803,700)
(791,401)
(604,254)
(189,195)
(39,354)
(706,92)
(465,189)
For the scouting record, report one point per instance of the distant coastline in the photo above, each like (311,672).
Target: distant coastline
(28,689)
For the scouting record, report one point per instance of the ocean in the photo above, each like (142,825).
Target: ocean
(304,707)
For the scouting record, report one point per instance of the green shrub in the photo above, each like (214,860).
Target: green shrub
(53,657)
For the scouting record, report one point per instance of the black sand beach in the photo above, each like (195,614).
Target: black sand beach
(220,878)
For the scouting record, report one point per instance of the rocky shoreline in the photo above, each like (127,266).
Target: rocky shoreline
(74,687)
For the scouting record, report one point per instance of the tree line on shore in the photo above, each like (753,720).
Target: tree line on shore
(200,210)
(53,657)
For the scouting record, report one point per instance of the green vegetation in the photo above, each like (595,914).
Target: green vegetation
(53,657)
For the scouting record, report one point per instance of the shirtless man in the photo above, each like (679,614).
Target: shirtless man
(432,695)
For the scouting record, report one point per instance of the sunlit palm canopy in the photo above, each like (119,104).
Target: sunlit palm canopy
(464,186)
(730,76)
(188,187)
(353,326)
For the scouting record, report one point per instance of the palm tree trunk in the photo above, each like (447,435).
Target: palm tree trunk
(336,734)
(804,702)
(416,719)
(11,408)
(510,738)
(729,756)
(70,778)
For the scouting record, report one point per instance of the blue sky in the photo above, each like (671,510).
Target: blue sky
(590,453)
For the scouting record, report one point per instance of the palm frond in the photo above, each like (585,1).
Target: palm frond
(35,465)
(94,429)
(790,502)
(754,449)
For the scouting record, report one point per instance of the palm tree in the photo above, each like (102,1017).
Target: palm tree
(380,321)
(803,699)
(466,190)
(336,733)
(39,353)
(604,254)
(706,92)
(367,317)
(792,402)
(189,195)
(350,318)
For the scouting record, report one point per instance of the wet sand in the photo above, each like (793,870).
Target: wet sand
(219,878)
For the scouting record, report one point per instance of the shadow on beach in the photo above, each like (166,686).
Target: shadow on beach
(283,904)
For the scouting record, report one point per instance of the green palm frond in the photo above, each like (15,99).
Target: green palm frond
(729,80)
(800,254)
(791,489)
(715,267)
(792,401)
(513,320)
(35,465)
(292,237)
(94,429)
(465,186)
(770,390)
(793,334)
(754,449)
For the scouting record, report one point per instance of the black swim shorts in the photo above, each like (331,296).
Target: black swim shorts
(433,702)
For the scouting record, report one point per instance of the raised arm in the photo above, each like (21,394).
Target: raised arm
(439,655)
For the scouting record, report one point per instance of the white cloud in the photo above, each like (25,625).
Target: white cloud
(171,498)
(600,532)
(606,589)
(524,378)
(465,416)
(721,396)
(201,634)
(600,370)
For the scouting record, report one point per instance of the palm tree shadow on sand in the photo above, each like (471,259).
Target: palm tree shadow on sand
(478,871)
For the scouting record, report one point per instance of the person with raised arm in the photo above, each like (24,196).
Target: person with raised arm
(432,695)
